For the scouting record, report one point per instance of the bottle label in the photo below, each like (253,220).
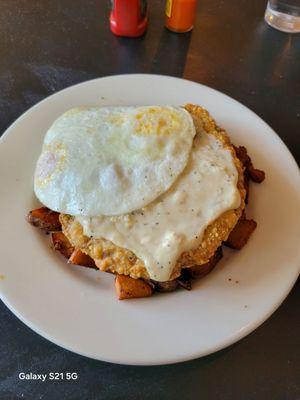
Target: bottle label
(168,8)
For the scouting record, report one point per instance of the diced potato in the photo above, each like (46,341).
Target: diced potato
(80,258)
(184,281)
(242,155)
(198,271)
(45,219)
(61,244)
(255,174)
(246,186)
(129,288)
(168,286)
(241,233)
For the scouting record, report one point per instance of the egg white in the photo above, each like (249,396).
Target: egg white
(112,160)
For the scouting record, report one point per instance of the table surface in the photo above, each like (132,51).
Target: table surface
(46,46)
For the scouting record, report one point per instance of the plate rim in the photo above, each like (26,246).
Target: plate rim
(10,127)
(212,349)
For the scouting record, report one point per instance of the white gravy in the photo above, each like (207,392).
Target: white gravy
(176,221)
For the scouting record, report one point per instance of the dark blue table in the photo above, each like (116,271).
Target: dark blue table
(48,45)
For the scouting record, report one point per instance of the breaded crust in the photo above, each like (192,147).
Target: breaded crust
(109,257)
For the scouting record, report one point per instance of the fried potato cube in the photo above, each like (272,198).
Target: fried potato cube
(61,244)
(80,258)
(184,281)
(45,219)
(255,174)
(242,155)
(246,186)
(241,233)
(168,286)
(129,288)
(199,271)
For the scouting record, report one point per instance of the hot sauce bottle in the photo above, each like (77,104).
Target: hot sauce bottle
(128,17)
(180,15)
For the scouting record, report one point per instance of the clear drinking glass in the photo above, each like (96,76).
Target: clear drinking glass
(284,15)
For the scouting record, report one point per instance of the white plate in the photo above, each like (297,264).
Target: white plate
(77,308)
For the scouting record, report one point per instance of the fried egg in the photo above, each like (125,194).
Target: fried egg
(175,222)
(112,160)
(181,228)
